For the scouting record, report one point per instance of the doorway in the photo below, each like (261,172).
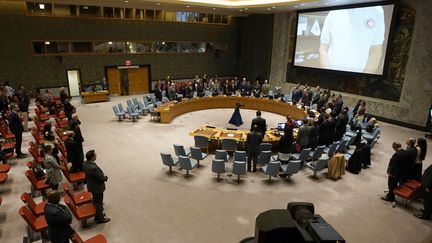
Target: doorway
(74,82)
(126,80)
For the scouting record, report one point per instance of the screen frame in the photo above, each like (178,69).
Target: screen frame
(370,4)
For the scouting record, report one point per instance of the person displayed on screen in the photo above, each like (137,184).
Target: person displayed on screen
(352,39)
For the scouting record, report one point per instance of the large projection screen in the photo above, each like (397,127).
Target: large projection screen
(350,39)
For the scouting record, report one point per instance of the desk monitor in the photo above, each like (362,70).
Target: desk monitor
(281,126)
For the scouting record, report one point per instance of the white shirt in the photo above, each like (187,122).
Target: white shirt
(350,33)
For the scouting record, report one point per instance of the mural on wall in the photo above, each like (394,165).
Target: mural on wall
(387,87)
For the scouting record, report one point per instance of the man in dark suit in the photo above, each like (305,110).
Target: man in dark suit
(158,93)
(338,106)
(411,159)
(58,218)
(16,127)
(74,125)
(95,180)
(427,197)
(260,123)
(341,122)
(74,154)
(395,170)
(253,141)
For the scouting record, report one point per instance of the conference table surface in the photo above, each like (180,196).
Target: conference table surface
(171,110)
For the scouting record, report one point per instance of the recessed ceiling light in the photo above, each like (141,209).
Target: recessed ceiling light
(158,4)
(241,10)
(126,1)
(47,43)
(187,6)
(85,7)
(273,7)
(42,6)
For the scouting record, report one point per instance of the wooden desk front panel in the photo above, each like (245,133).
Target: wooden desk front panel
(90,97)
(217,102)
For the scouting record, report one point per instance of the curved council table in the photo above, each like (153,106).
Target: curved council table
(172,110)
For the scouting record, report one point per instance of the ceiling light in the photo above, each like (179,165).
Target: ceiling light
(246,9)
(269,9)
(214,8)
(85,7)
(47,43)
(241,10)
(273,7)
(110,43)
(163,43)
(126,1)
(42,6)
(187,6)
(158,4)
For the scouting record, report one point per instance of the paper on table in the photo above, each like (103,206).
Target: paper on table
(230,135)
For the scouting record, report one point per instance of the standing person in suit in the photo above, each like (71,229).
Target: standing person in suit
(341,123)
(304,135)
(95,179)
(260,122)
(74,125)
(395,171)
(73,153)
(16,127)
(411,158)
(427,196)
(253,141)
(58,218)
(158,93)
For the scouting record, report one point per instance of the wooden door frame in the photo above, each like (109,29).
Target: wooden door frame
(80,78)
(148,66)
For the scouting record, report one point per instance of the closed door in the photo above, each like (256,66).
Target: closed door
(114,81)
(138,80)
(74,81)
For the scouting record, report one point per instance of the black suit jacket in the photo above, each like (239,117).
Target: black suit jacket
(253,141)
(261,123)
(15,124)
(397,164)
(427,178)
(59,219)
(95,177)
(73,151)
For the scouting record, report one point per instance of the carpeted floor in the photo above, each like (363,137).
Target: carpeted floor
(146,204)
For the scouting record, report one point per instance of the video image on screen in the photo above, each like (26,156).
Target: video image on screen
(352,40)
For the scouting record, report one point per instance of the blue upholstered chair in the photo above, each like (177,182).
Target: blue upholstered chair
(239,168)
(240,156)
(316,166)
(291,168)
(179,150)
(168,160)
(218,166)
(271,169)
(132,114)
(187,163)
(264,157)
(197,154)
(119,114)
(221,154)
